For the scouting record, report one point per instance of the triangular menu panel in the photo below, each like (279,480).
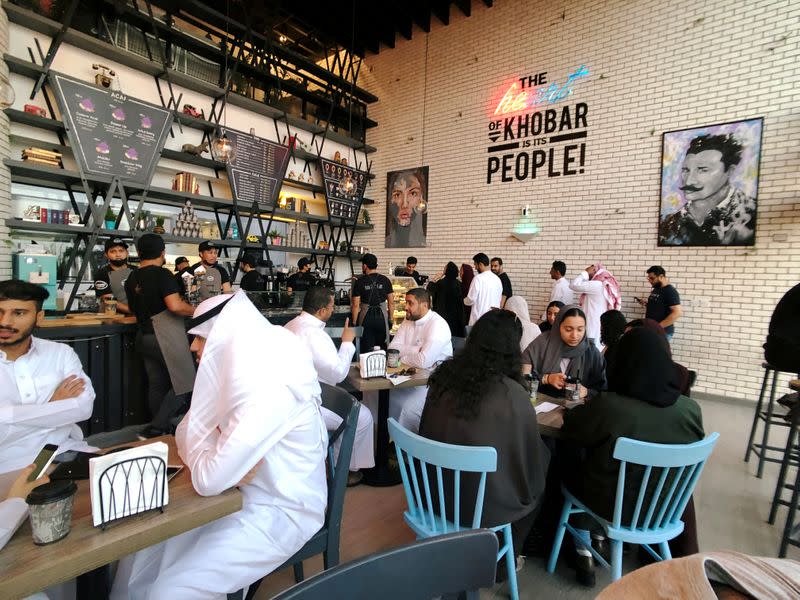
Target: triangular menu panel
(341,205)
(112,134)
(257,169)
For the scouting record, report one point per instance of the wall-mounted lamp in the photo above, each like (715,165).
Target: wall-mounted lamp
(526,229)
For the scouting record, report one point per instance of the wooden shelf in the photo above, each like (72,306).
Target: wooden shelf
(20,116)
(192,159)
(311,187)
(22,67)
(194,122)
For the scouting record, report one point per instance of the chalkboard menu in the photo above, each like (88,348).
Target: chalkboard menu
(112,134)
(341,205)
(257,168)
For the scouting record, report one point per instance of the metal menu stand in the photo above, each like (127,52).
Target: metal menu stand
(136,496)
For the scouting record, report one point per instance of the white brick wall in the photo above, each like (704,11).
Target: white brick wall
(655,67)
(5,176)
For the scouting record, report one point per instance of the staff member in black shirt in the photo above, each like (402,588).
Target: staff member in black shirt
(110,279)
(252,280)
(497,268)
(664,303)
(370,304)
(411,270)
(216,278)
(303,279)
(154,297)
(181,263)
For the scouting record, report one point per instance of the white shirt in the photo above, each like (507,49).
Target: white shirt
(28,420)
(485,293)
(332,366)
(562,292)
(593,304)
(12,513)
(424,342)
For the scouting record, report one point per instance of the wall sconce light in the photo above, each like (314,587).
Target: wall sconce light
(526,229)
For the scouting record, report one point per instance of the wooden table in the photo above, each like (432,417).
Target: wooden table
(26,568)
(795,384)
(382,474)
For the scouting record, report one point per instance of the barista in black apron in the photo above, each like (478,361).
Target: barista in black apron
(110,279)
(252,280)
(370,301)
(303,279)
(154,297)
(212,279)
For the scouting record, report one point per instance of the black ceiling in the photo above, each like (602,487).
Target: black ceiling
(314,28)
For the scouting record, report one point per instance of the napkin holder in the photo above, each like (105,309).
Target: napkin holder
(128,483)
(372,364)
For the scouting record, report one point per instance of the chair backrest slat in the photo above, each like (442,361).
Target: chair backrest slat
(642,494)
(446,458)
(656,494)
(686,459)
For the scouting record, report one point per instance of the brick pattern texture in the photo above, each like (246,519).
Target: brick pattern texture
(654,67)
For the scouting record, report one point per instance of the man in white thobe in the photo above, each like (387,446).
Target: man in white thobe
(332,367)
(485,291)
(599,292)
(561,291)
(423,339)
(254,422)
(45,392)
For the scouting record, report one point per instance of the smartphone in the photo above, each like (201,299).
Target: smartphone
(173,471)
(43,460)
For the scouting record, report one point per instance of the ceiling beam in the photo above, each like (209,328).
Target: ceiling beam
(442,10)
(465,6)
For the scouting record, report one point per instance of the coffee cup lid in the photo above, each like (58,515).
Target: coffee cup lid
(51,492)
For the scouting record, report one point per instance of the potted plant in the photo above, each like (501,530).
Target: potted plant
(276,237)
(365,217)
(110,218)
(159,228)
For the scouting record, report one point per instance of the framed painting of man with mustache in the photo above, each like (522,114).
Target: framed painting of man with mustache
(709,185)
(407,208)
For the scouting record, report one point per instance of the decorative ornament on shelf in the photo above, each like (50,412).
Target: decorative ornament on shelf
(223,149)
(347,186)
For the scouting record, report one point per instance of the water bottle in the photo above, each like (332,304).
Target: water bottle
(576,392)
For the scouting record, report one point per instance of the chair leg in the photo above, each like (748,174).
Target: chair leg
(773,512)
(511,564)
(616,559)
(787,530)
(298,571)
(559,537)
(330,558)
(666,553)
(755,417)
(767,421)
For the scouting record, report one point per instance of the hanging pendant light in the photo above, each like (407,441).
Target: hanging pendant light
(223,149)
(421,208)
(7,95)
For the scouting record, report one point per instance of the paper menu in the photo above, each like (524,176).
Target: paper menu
(544,407)
(135,481)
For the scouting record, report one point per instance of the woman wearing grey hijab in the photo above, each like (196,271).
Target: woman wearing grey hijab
(564,352)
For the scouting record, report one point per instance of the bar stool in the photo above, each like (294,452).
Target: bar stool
(762,449)
(791,457)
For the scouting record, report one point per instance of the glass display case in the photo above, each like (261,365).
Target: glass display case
(400,285)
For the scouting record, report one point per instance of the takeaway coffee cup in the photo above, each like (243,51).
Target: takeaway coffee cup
(50,508)
(110,306)
(393,358)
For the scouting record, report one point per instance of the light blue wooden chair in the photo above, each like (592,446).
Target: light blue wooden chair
(414,454)
(659,504)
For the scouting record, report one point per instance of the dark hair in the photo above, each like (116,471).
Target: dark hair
(16,289)
(560,266)
(370,260)
(726,144)
(317,298)
(490,353)
(612,327)
(150,246)
(656,270)
(481,259)
(498,260)
(557,303)
(573,312)
(451,270)
(411,260)
(421,294)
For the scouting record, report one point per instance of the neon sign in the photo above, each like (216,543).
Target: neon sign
(519,96)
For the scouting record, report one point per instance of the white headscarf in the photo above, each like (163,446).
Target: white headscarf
(530,331)
(242,350)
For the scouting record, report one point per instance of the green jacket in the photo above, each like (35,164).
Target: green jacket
(597,425)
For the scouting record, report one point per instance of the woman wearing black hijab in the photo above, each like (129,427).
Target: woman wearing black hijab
(646,405)
(448,302)
(564,352)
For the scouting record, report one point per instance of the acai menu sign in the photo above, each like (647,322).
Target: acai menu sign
(112,134)
(257,168)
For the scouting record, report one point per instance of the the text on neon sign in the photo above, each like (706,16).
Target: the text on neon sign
(519,96)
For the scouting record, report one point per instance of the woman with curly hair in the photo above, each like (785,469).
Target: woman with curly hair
(477,398)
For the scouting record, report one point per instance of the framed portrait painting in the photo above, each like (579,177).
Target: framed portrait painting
(709,185)
(407,208)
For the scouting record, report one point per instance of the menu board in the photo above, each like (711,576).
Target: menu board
(341,205)
(257,169)
(112,134)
